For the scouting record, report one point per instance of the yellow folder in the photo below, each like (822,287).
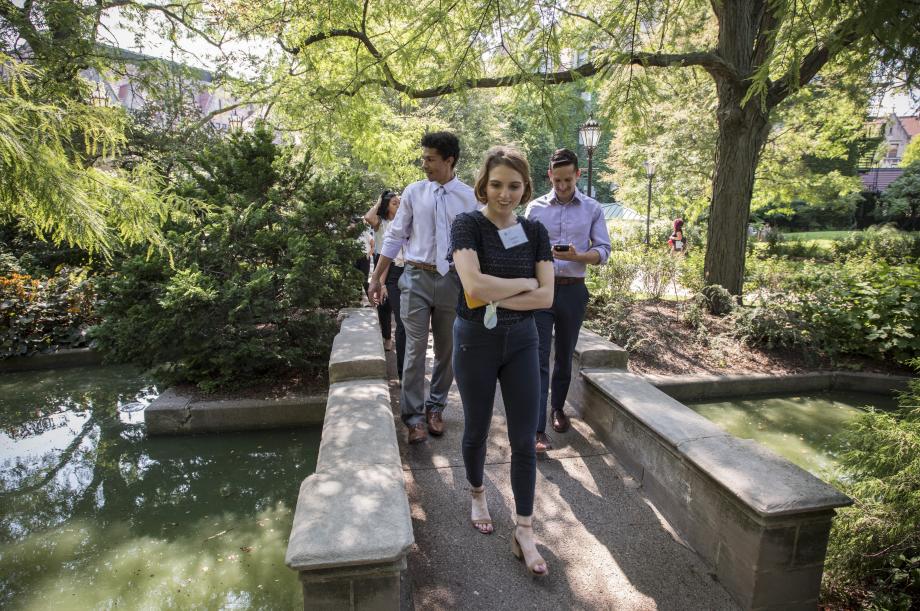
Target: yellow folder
(473,303)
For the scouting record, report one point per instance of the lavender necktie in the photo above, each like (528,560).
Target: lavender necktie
(441,230)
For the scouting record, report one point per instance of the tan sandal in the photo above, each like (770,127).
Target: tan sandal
(480,522)
(519,554)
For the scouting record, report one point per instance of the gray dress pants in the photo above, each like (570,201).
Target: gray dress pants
(427,299)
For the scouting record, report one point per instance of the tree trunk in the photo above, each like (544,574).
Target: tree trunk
(742,133)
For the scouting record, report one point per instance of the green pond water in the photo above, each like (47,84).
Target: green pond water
(802,428)
(93,515)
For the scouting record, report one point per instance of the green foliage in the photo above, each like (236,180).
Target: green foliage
(677,131)
(608,315)
(836,211)
(658,272)
(911,153)
(690,273)
(629,235)
(53,176)
(771,324)
(862,307)
(818,235)
(767,276)
(901,200)
(807,175)
(615,278)
(651,272)
(873,557)
(44,314)
(858,306)
(882,243)
(779,246)
(256,279)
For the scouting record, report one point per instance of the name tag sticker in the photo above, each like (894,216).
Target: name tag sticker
(512,236)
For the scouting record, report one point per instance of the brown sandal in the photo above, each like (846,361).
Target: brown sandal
(477,523)
(519,554)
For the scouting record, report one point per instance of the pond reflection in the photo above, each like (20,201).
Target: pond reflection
(93,514)
(805,429)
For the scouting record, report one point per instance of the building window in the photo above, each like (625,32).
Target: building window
(892,151)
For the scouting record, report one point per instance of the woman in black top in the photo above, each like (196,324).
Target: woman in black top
(506,269)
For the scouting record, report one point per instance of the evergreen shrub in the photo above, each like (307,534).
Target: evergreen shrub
(873,557)
(252,285)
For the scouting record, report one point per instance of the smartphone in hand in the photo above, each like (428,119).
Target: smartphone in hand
(561,247)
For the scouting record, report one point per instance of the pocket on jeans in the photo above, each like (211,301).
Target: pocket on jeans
(467,338)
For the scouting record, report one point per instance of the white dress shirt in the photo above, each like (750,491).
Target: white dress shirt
(415,221)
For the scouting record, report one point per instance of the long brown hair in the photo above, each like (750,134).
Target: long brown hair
(503,155)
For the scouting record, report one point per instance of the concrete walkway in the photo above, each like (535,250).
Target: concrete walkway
(605,546)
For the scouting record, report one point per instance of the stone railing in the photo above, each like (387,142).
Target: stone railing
(759,521)
(177,412)
(352,527)
(706,387)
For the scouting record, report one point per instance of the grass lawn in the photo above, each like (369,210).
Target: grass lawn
(818,235)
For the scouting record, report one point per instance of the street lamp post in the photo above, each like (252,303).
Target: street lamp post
(590,134)
(99,97)
(650,172)
(236,123)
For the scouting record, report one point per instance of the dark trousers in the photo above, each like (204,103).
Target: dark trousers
(393,295)
(364,266)
(567,314)
(385,310)
(482,356)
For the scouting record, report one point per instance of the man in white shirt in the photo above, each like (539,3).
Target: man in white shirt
(429,286)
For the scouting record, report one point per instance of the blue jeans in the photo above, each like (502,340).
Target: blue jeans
(510,356)
(567,314)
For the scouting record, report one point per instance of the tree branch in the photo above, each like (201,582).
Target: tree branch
(20,21)
(707,59)
(364,16)
(169,14)
(766,36)
(843,35)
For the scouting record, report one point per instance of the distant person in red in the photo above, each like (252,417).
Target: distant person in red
(677,242)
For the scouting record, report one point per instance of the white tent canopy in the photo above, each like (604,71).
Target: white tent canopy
(616,211)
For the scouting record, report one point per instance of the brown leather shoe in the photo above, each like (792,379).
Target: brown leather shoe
(435,423)
(560,421)
(544,443)
(418,433)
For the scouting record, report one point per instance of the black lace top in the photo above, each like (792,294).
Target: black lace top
(473,230)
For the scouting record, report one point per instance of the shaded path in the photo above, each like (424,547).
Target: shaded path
(605,546)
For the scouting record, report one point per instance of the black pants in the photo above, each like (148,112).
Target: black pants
(567,314)
(393,303)
(364,266)
(482,356)
(384,310)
